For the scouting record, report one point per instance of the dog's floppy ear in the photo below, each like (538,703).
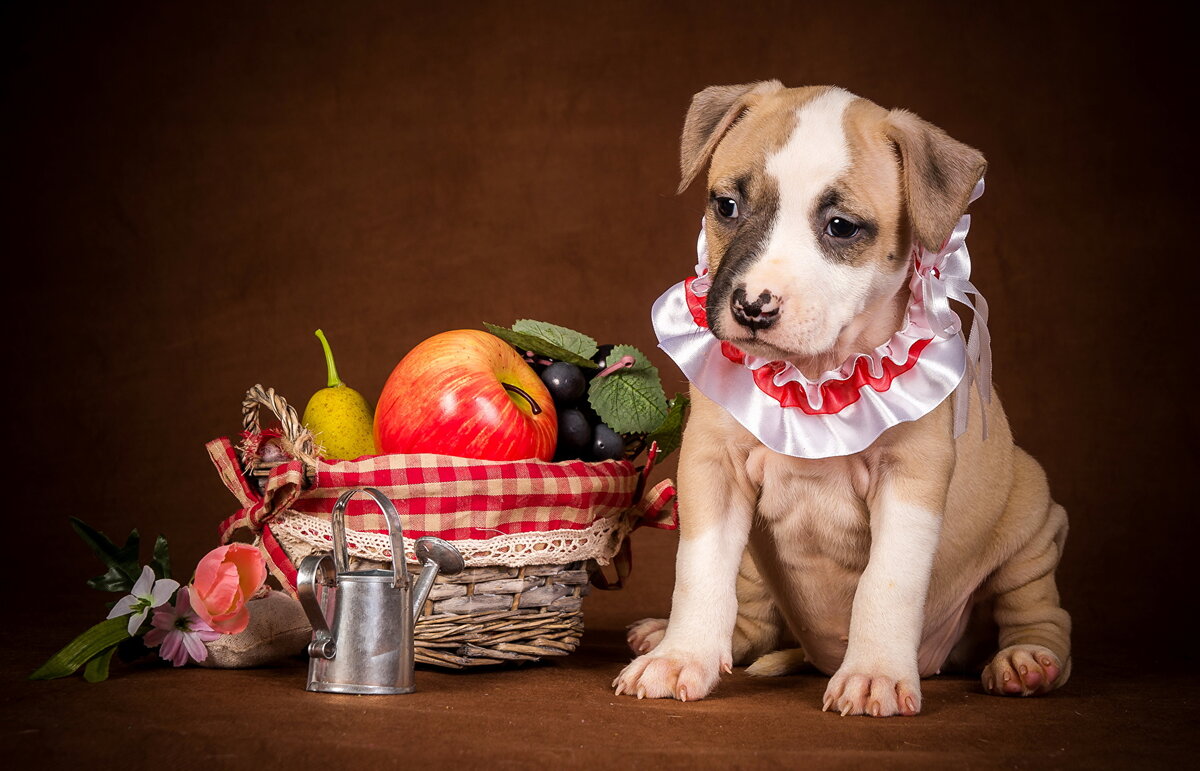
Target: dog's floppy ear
(714,110)
(938,174)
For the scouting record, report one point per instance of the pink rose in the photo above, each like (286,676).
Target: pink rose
(226,578)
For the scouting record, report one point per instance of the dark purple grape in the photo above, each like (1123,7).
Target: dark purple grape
(607,444)
(565,382)
(601,354)
(574,434)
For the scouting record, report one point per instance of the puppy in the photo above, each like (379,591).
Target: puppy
(885,561)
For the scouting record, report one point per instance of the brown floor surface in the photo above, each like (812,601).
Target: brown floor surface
(563,714)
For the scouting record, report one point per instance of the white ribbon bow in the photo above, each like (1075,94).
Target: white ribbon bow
(946,276)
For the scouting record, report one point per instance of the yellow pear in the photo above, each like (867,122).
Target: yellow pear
(339,417)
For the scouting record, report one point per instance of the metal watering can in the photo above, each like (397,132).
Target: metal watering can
(367,648)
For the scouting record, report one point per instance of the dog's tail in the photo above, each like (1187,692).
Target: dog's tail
(778,663)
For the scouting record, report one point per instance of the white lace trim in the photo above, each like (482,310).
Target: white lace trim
(302,534)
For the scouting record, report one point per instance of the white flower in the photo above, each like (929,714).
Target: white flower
(146,595)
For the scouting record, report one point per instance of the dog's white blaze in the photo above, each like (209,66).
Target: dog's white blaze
(817,296)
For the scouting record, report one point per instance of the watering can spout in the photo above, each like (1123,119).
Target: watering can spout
(435,556)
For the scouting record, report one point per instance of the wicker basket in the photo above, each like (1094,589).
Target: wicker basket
(484,615)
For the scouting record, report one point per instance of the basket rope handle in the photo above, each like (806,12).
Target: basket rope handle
(303,446)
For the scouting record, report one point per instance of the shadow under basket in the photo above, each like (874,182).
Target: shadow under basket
(531,555)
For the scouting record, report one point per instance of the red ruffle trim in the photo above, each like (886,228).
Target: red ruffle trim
(836,394)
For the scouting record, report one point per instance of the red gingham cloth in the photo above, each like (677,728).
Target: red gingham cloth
(444,496)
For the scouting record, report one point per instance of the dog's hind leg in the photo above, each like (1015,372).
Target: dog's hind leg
(645,635)
(757,629)
(1035,631)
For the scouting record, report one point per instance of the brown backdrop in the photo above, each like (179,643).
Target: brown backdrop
(193,190)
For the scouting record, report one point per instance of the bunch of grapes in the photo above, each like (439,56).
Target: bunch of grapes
(609,399)
(582,435)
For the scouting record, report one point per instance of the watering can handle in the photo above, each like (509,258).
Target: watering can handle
(341,555)
(313,569)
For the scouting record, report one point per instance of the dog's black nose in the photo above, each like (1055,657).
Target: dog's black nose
(756,314)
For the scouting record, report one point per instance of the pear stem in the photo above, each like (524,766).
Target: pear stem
(533,406)
(333,381)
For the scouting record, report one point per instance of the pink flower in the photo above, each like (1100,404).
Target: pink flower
(226,578)
(180,632)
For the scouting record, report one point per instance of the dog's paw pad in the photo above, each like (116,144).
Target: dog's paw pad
(856,693)
(1022,670)
(645,635)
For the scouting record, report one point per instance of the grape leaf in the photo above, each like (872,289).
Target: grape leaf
(630,400)
(576,342)
(528,342)
(669,435)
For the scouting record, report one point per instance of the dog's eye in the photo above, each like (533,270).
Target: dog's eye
(726,207)
(841,228)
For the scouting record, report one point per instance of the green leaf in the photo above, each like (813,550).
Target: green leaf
(83,648)
(123,568)
(162,559)
(96,668)
(669,435)
(568,339)
(631,400)
(114,580)
(527,342)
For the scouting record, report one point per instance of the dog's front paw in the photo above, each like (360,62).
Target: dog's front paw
(858,691)
(672,674)
(1023,670)
(645,635)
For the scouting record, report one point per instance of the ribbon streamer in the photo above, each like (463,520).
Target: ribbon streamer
(946,276)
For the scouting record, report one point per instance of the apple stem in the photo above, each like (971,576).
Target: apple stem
(625,362)
(533,406)
(333,381)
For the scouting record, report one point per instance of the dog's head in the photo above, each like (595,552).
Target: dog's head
(815,199)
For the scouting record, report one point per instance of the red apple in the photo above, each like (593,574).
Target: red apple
(466,393)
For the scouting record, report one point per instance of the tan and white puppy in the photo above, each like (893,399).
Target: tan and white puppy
(874,563)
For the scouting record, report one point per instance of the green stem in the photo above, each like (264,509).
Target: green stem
(333,381)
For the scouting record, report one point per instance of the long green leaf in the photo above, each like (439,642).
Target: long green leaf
(96,669)
(79,651)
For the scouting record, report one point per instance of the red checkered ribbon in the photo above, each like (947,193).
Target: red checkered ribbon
(443,496)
